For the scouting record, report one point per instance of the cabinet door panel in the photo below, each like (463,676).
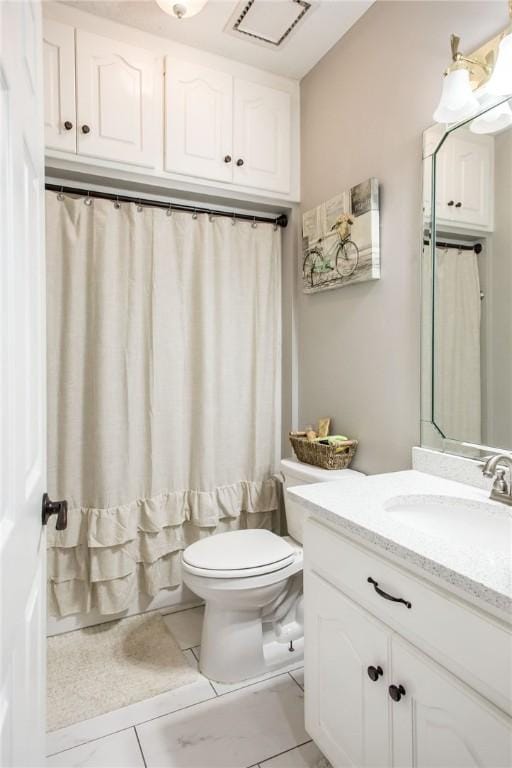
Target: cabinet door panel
(198,121)
(441,723)
(115,84)
(261,137)
(346,712)
(59,86)
(472,181)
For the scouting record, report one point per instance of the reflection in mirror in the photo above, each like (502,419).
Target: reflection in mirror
(467,308)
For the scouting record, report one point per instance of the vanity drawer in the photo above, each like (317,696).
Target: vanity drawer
(473,645)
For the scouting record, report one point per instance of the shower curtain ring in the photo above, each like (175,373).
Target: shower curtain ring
(211,217)
(233,220)
(88,200)
(139,206)
(60,194)
(254,225)
(194,215)
(169,210)
(117,204)
(276,227)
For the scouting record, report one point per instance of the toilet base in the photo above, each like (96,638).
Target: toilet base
(235,646)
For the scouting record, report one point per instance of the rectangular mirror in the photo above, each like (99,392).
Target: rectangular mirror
(466,285)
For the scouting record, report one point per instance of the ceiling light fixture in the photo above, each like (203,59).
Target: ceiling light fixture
(182,9)
(463,93)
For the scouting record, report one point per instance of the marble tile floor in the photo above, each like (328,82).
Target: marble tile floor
(255,724)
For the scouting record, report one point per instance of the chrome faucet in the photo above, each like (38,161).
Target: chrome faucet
(501,488)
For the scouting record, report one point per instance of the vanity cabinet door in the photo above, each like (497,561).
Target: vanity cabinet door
(59,86)
(346,711)
(198,121)
(261,137)
(440,722)
(115,90)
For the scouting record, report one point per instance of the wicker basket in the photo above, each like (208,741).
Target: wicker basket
(324,456)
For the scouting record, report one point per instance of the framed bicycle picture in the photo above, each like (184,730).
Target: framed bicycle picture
(341,241)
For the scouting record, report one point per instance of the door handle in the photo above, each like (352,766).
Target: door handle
(59,508)
(396,692)
(239,162)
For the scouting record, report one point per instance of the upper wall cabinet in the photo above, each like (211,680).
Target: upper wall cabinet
(112,114)
(59,86)
(199,121)
(226,129)
(464,182)
(115,100)
(261,136)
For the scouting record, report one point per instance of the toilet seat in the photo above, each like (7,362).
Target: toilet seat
(238,554)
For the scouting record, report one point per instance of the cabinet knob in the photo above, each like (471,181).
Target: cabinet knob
(67,125)
(374,673)
(450,203)
(227,159)
(239,162)
(396,692)
(86,129)
(458,205)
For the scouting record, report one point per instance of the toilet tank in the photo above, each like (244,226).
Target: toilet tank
(294,473)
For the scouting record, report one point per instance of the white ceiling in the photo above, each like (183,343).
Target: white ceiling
(314,35)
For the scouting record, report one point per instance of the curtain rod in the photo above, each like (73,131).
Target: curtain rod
(476,247)
(279,221)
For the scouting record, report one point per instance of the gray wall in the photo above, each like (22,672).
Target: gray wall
(364,107)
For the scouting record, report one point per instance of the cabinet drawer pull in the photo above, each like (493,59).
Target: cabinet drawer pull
(458,205)
(374,673)
(396,692)
(385,594)
(227,158)
(451,202)
(86,129)
(68,125)
(239,162)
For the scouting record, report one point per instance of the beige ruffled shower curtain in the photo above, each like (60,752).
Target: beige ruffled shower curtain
(163,365)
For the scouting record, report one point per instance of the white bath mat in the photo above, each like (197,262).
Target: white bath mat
(96,670)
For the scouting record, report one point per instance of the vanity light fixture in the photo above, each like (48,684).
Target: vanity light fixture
(494,120)
(473,81)
(457,99)
(182,9)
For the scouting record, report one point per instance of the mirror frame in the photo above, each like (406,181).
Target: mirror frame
(431,436)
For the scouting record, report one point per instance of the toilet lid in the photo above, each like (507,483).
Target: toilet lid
(250,552)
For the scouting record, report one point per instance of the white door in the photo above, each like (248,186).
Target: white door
(59,86)
(473,167)
(22,390)
(346,710)
(198,121)
(115,100)
(439,722)
(261,137)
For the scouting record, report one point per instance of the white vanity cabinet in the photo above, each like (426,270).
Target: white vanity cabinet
(464,169)
(374,695)
(110,114)
(225,128)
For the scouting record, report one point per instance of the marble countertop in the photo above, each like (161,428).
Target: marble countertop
(359,509)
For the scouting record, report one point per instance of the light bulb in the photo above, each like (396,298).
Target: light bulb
(500,82)
(182,9)
(457,99)
(494,120)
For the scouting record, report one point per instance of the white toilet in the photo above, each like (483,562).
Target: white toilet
(251,582)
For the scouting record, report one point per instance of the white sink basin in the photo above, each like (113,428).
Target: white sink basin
(467,522)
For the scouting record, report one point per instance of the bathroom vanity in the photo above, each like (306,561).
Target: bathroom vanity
(407,582)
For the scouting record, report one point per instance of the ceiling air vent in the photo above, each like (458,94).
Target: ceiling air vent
(268,22)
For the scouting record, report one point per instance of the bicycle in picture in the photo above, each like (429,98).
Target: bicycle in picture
(335,253)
